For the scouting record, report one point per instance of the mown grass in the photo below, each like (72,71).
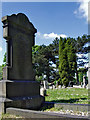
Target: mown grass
(8,116)
(67,95)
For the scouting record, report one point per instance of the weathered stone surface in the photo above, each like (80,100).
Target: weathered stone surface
(5,73)
(19,88)
(32,102)
(19,33)
(74,107)
(10,89)
(43,115)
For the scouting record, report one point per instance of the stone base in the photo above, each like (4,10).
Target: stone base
(38,115)
(24,94)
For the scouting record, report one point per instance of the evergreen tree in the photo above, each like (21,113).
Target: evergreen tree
(63,64)
(71,56)
(67,61)
(42,61)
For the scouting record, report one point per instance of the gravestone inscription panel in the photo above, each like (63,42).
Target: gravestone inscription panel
(19,88)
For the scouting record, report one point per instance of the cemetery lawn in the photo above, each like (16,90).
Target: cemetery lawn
(68,95)
(8,116)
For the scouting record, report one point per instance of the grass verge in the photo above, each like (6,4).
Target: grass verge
(68,95)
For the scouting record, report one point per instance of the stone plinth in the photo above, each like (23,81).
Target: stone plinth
(20,95)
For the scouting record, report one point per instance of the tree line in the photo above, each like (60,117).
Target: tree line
(59,61)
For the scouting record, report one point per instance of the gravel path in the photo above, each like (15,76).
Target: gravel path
(70,112)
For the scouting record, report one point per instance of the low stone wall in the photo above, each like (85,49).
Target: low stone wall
(38,115)
(69,106)
(74,107)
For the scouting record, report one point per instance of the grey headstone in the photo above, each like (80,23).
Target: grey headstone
(19,33)
(19,88)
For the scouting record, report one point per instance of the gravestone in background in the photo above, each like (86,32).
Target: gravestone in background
(19,88)
(45,83)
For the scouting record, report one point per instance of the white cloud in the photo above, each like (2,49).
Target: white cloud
(53,36)
(83,9)
(0,49)
(63,36)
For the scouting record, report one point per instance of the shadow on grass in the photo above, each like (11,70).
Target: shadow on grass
(68,101)
(50,104)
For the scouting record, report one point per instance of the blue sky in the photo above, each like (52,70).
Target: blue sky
(51,19)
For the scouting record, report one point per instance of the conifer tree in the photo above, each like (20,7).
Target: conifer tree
(67,61)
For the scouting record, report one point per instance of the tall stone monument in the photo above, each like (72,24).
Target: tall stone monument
(19,88)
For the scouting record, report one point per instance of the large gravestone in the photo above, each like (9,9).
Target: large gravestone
(19,88)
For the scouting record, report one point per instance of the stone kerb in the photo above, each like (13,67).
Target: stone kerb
(37,115)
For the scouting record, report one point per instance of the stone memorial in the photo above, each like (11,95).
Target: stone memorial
(18,87)
(45,83)
(85,82)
